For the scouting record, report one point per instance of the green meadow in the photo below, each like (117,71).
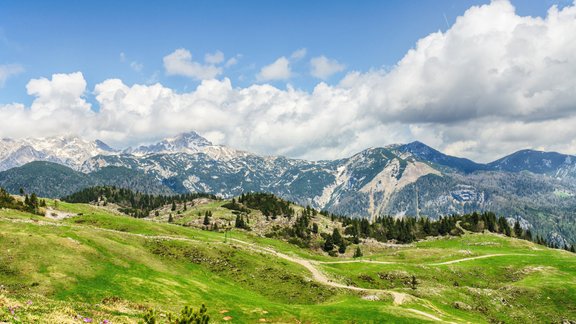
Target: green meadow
(105,266)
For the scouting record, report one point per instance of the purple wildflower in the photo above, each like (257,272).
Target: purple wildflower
(87,320)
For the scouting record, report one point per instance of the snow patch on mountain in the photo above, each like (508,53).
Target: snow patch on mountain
(67,150)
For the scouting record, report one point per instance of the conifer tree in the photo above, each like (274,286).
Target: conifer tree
(315,228)
(328,244)
(414,282)
(336,237)
(358,252)
(517,229)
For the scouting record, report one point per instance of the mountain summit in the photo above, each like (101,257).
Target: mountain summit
(189,143)
(426,153)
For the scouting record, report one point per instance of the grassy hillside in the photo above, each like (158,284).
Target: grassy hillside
(104,265)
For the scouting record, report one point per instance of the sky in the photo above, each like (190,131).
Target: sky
(305,79)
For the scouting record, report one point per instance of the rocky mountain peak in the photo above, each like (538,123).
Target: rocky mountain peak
(190,142)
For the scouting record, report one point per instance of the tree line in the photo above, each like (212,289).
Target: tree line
(31,203)
(407,230)
(135,204)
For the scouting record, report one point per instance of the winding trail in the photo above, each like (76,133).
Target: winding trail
(480,257)
(429,264)
(319,276)
(430,316)
(356,261)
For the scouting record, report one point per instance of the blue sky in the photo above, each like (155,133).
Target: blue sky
(47,37)
(307,79)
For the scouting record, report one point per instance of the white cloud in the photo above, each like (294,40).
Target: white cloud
(136,66)
(58,107)
(323,67)
(214,58)
(180,62)
(279,70)
(299,54)
(232,61)
(495,82)
(59,97)
(9,70)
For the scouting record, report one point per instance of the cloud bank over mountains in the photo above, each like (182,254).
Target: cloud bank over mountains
(493,83)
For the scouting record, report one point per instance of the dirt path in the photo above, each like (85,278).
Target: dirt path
(429,264)
(320,277)
(356,261)
(480,257)
(317,275)
(430,316)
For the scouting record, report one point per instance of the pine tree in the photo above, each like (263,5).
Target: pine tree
(528,235)
(328,244)
(414,282)
(315,228)
(342,248)
(358,252)
(517,229)
(336,237)
(475,220)
(507,230)
(173,206)
(426,227)
(170,219)
(206,219)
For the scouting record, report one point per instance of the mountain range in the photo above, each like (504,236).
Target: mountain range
(536,188)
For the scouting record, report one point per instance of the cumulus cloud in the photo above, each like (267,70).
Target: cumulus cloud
(493,83)
(323,67)
(8,70)
(214,58)
(180,62)
(232,61)
(59,106)
(299,54)
(279,70)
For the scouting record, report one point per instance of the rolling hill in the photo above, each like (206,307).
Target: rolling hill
(93,264)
